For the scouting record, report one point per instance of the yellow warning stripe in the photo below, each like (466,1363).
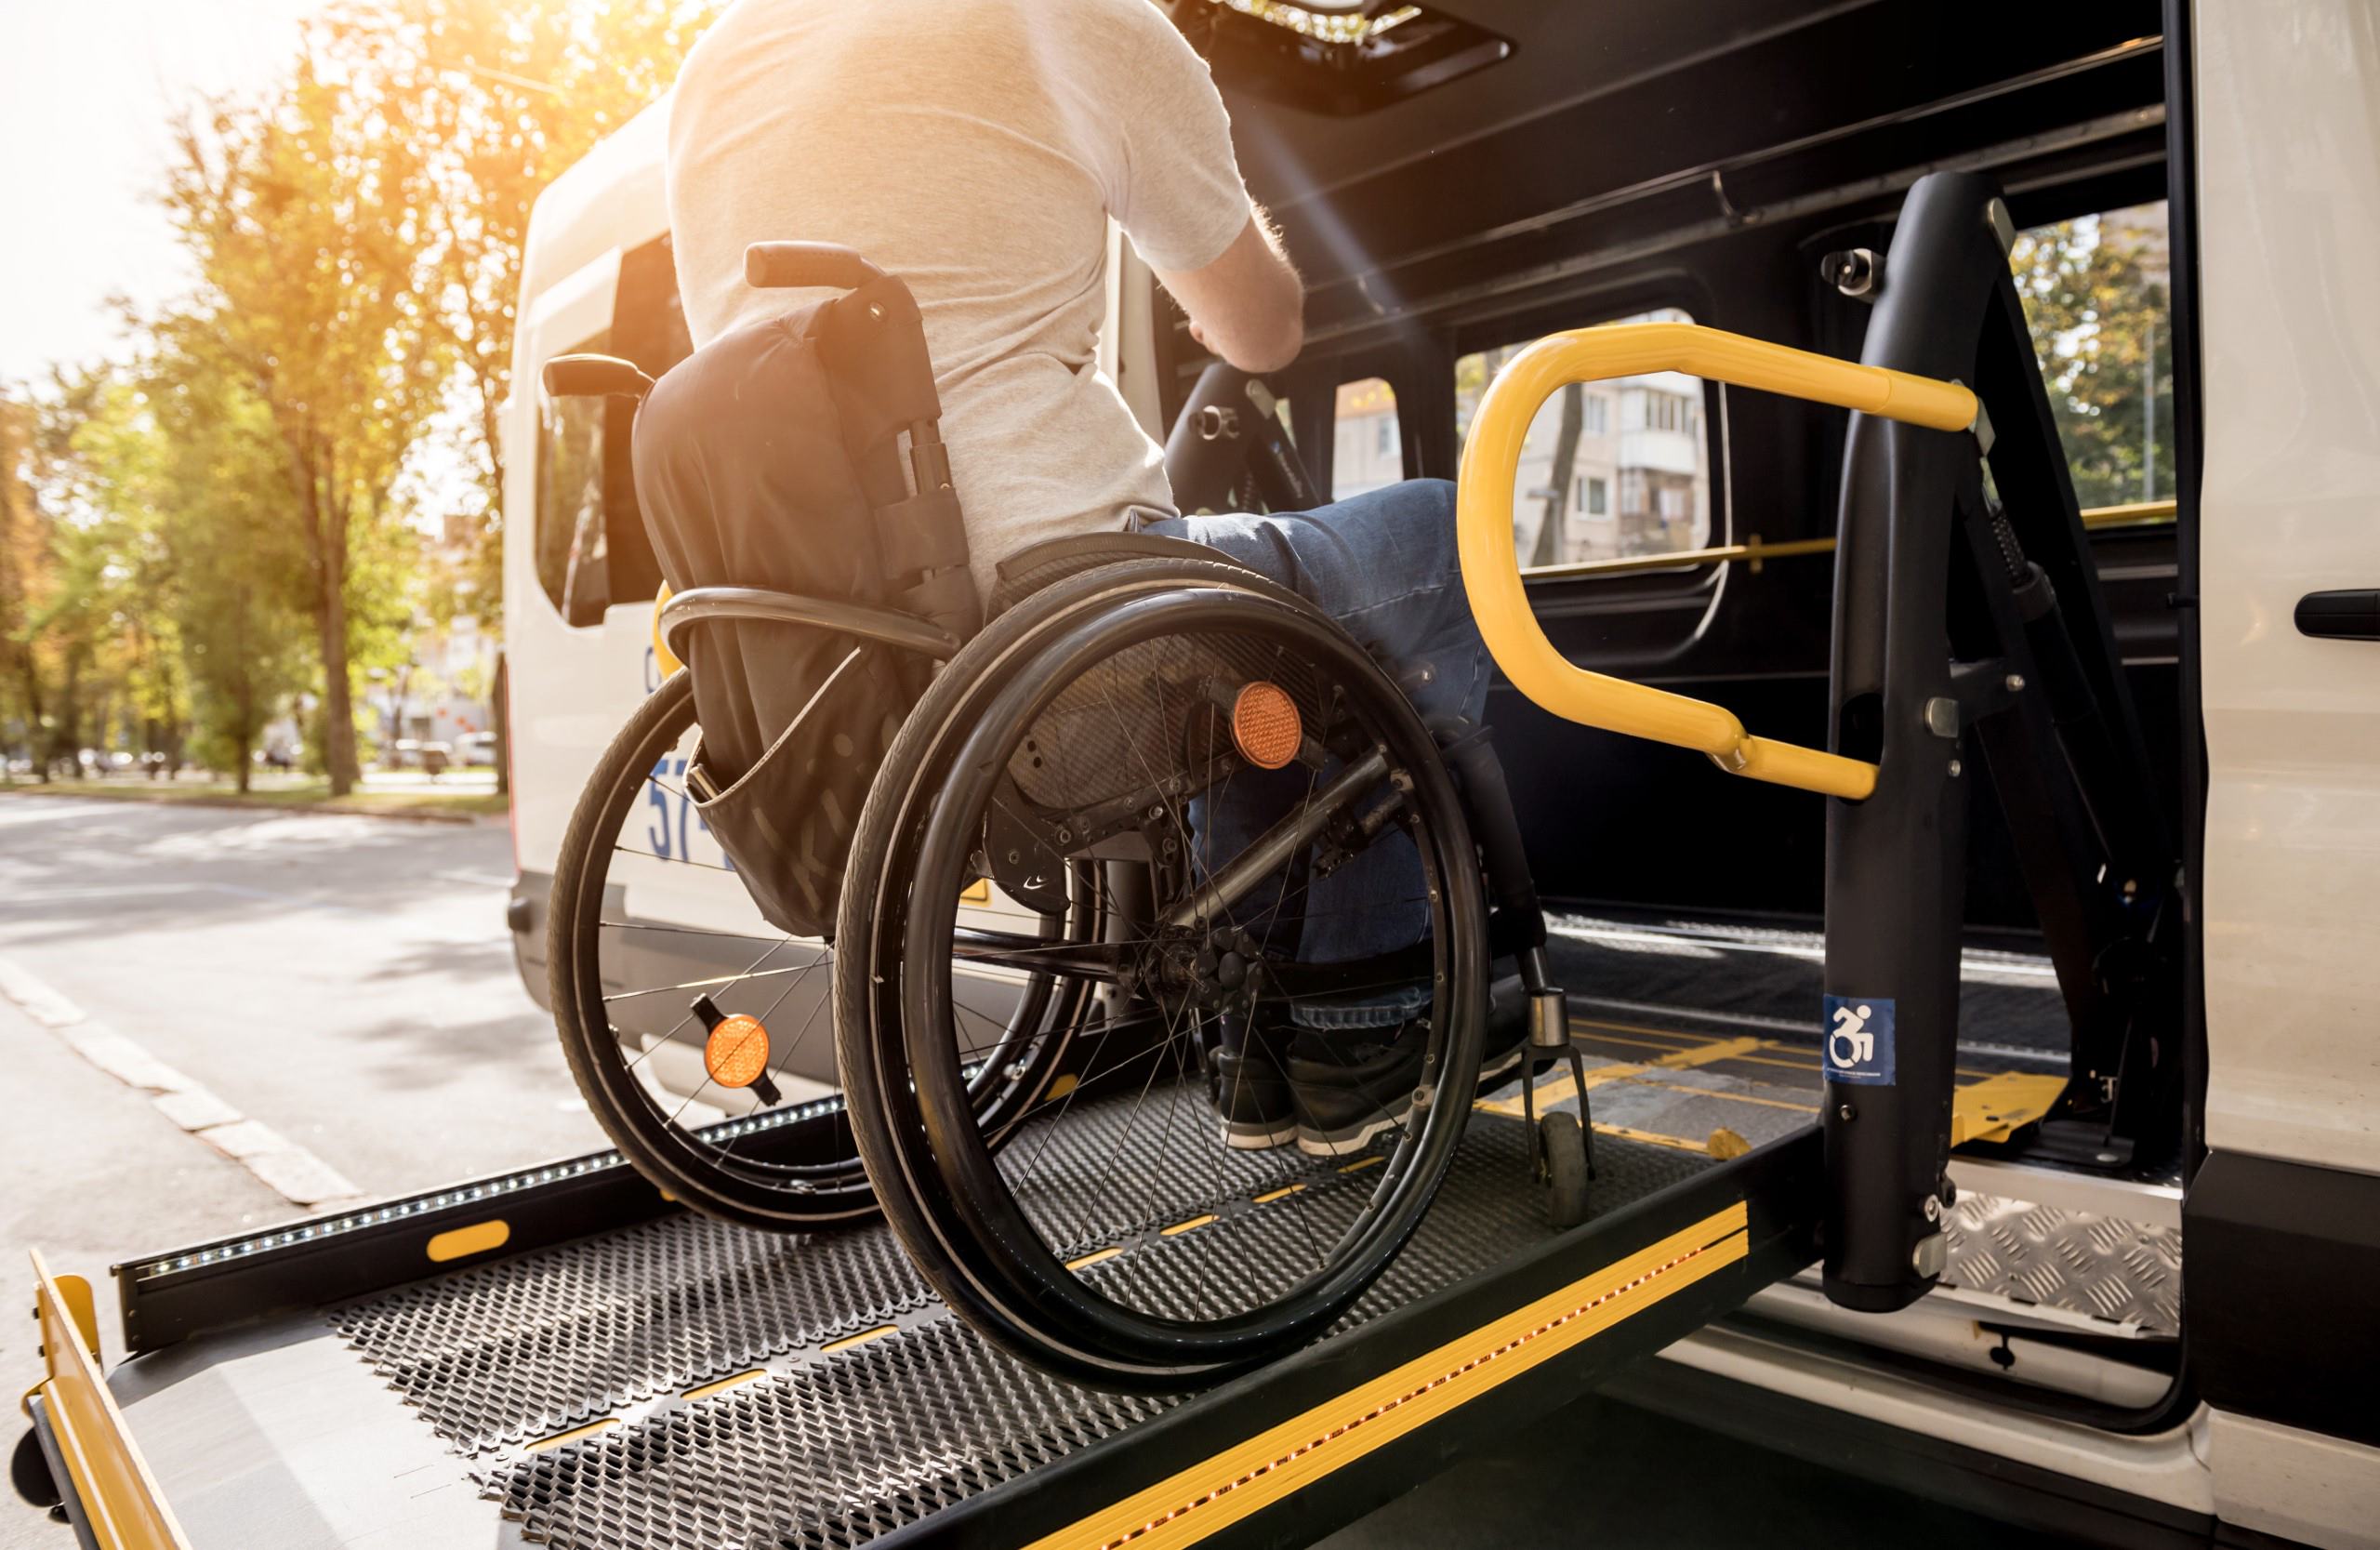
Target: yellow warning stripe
(1562,1085)
(1244,1478)
(1769,1047)
(1652,1138)
(1994,1109)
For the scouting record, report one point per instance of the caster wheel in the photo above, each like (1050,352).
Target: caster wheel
(1566,1169)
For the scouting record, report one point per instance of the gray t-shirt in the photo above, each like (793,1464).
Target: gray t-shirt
(976,149)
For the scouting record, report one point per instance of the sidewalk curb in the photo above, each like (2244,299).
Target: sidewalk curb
(277,1163)
(337,808)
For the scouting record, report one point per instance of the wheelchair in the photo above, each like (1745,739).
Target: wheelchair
(1036,936)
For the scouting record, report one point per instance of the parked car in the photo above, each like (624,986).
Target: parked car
(475,751)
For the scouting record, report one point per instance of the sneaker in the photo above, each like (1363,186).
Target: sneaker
(1251,1095)
(1348,1087)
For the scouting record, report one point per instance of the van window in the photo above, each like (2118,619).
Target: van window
(591,546)
(1610,470)
(572,544)
(1368,450)
(2096,294)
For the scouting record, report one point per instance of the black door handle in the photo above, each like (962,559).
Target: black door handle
(2348,615)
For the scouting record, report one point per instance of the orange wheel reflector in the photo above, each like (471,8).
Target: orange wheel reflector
(736,1054)
(1265,723)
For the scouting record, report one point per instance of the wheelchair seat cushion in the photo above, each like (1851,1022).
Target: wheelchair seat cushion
(1053,559)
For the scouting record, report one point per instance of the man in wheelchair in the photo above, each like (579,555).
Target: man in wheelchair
(979,151)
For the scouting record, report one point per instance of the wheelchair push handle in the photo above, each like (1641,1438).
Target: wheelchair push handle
(777,266)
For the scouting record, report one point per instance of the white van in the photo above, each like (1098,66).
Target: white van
(2240,1416)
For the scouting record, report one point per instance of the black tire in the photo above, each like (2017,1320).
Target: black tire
(1564,1143)
(808,1175)
(961,1216)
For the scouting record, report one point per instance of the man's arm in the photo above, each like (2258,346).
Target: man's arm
(1248,306)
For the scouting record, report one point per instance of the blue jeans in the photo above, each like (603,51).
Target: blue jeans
(1383,564)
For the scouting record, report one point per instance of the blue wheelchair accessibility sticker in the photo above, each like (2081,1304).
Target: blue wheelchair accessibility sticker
(1858,1040)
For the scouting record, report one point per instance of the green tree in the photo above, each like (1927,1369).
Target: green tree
(241,594)
(2095,300)
(25,561)
(303,218)
(494,98)
(80,649)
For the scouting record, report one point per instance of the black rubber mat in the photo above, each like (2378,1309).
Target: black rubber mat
(840,1441)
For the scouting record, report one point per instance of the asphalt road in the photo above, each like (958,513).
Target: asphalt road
(345,986)
(345,983)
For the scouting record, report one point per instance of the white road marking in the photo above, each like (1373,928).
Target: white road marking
(195,1109)
(300,1176)
(280,1163)
(41,1004)
(127,1061)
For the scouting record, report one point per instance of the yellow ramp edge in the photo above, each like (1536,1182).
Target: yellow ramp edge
(1194,1502)
(106,1473)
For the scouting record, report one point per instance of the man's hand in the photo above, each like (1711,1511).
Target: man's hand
(1248,306)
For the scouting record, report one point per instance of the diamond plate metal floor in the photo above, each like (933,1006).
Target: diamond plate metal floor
(2127,1273)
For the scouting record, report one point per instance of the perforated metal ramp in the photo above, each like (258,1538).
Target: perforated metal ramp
(751,1388)
(623,1373)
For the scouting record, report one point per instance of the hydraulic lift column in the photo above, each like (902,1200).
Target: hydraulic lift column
(1896,863)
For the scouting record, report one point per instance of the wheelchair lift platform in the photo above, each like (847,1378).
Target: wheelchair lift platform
(560,1356)
(563,1356)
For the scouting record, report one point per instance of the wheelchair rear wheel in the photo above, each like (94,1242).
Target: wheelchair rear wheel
(697,1030)
(1108,720)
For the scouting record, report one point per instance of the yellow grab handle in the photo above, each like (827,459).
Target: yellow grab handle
(1491,572)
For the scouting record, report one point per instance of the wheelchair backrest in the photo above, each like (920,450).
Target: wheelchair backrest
(771,458)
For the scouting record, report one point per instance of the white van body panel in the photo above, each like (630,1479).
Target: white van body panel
(570,688)
(2289,182)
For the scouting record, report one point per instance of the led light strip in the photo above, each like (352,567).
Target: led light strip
(422,1205)
(1208,1496)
